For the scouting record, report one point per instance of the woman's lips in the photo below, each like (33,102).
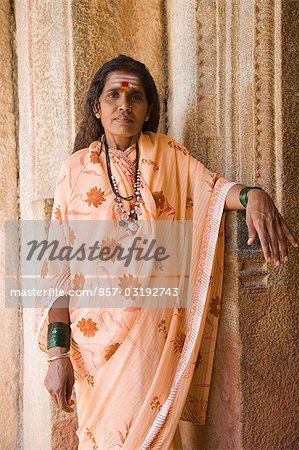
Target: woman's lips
(123,120)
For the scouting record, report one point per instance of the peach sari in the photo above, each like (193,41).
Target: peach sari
(140,370)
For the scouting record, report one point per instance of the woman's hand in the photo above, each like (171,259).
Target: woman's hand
(264,220)
(59,382)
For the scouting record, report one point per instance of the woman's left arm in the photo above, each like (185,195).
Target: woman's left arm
(263,220)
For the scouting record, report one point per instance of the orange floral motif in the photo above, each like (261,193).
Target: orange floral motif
(177,147)
(95,196)
(189,202)
(58,215)
(79,365)
(124,436)
(215,306)
(155,404)
(44,269)
(78,281)
(149,161)
(90,380)
(130,282)
(110,350)
(212,182)
(71,235)
(94,157)
(162,328)
(159,199)
(111,244)
(91,437)
(87,327)
(179,342)
(180,313)
(162,204)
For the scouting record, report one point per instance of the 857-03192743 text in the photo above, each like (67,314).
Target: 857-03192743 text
(127,292)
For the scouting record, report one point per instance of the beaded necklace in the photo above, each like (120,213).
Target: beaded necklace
(128,219)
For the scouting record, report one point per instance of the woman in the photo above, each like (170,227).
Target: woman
(140,370)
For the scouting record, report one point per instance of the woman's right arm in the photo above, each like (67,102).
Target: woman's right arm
(59,380)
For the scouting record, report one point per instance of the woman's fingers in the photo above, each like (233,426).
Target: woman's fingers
(69,389)
(252,232)
(273,241)
(272,231)
(265,241)
(288,234)
(282,242)
(273,234)
(62,401)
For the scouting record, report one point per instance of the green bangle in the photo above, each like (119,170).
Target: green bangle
(243,194)
(59,334)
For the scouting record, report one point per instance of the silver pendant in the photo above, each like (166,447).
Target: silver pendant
(129,225)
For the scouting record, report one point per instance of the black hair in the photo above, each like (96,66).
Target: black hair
(91,127)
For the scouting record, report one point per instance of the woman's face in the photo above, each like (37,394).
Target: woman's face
(123,106)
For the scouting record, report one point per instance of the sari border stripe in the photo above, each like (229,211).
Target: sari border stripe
(210,236)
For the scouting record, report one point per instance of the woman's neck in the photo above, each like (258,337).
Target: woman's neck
(121,142)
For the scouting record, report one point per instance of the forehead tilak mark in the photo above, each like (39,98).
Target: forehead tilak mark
(128,81)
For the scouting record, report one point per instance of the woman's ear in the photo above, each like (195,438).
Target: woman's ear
(96,109)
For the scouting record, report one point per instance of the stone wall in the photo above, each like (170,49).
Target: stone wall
(226,73)
(10,331)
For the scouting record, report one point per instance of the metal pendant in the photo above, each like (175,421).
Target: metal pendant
(129,225)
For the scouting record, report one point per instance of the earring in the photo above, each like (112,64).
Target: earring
(146,119)
(98,116)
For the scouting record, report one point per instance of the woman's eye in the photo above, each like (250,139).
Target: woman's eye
(136,97)
(112,94)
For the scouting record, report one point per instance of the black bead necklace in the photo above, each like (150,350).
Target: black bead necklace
(127,218)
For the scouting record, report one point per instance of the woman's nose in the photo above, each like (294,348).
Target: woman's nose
(124,103)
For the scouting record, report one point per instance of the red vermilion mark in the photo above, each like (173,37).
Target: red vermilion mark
(124,84)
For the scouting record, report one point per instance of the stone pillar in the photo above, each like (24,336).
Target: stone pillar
(46,134)
(201,113)
(269,298)
(103,30)
(60,44)
(232,78)
(10,330)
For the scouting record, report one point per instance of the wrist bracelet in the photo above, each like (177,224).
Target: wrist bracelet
(58,335)
(60,356)
(243,194)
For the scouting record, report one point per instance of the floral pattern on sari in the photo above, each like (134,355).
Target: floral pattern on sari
(91,437)
(177,147)
(95,197)
(150,162)
(110,350)
(87,327)
(123,435)
(162,205)
(138,359)
(162,328)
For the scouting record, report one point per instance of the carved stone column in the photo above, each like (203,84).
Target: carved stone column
(232,81)
(103,30)
(10,330)
(60,45)
(46,133)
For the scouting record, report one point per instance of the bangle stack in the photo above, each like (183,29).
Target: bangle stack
(243,194)
(59,335)
(60,356)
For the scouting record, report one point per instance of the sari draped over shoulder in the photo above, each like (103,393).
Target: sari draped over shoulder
(140,370)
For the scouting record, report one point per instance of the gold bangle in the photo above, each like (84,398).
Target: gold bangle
(60,356)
